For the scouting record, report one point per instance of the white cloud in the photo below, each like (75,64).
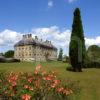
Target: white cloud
(70,1)
(50,3)
(92,41)
(9,37)
(54,34)
(58,37)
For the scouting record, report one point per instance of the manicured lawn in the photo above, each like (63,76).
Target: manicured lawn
(89,79)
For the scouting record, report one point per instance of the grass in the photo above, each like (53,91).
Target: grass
(89,79)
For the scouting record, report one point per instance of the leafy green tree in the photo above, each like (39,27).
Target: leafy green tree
(1,54)
(93,53)
(9,54)
(60,56)
(66,59)
(77,50)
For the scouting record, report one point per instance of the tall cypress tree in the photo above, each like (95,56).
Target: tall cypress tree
(60,56)
(77,50)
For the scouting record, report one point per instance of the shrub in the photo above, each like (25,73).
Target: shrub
(39,85)
(92,60)
(9,54)
(92,64)
(93,57)
(2,60)
(5,60)
(12,60)
(66,59)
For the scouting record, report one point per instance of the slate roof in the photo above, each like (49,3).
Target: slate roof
(36,43)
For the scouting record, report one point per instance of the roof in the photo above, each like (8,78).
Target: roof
(35,42)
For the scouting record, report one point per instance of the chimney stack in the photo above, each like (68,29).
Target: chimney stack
(41,40)
(36,38)
(24,36)
(49,42)
(29,35)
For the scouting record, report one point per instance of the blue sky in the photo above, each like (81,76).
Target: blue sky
(27,16)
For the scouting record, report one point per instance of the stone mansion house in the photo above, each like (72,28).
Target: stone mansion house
(33,49)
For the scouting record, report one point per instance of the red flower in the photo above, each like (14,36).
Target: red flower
(14,83)
(44,72)
(56,81)
(26,86)
(60,89)
(31,88)
(53,85)
(38,67)
(67,91)
(12,79)
(47,78)
(36,72)
(26,97)
(30,80)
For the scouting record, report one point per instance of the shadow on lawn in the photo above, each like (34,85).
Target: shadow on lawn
(69,68)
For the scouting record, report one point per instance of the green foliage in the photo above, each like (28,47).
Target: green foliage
(77,50)
(66,59)
(94,52)
(93,56)
(1,54)
(9,54)
(60,56)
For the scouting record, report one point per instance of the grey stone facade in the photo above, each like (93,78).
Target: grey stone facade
(33,49)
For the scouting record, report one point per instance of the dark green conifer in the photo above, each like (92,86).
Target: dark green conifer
(77,50)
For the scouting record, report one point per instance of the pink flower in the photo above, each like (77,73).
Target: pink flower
(14,83)
(30,80)
(66,92)
(26,86)
(53,85)
(36,72)
(47,78)
(56,81)
(12,79)
(31,88)
(38,67)
(60,89)
(5,92)
(44,72)
(26,97)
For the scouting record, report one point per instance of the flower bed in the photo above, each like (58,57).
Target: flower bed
(38,85)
